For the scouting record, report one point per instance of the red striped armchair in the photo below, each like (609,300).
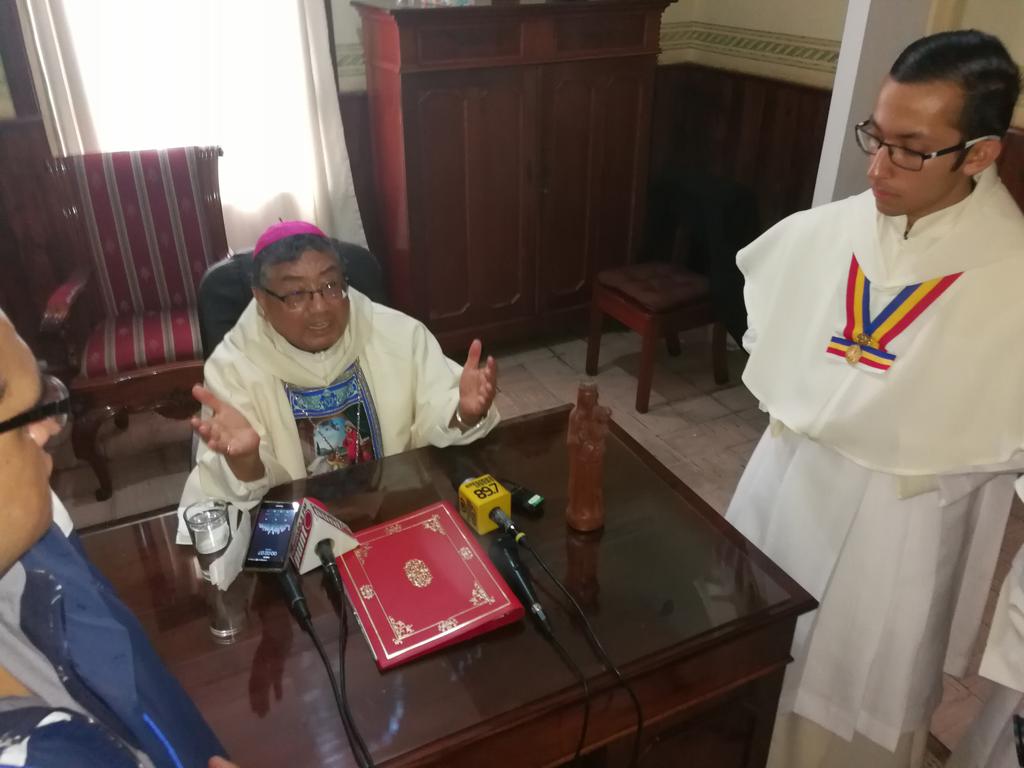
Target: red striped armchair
(150,223)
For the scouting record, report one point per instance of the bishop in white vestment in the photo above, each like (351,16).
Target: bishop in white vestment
(376,384)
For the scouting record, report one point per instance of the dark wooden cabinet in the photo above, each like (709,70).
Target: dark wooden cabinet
(472,189)
(596,126)
(510,144)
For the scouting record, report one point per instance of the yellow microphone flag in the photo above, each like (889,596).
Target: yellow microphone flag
(478,496)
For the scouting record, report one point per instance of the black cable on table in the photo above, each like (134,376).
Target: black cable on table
(355,741)
(356,738)
(598,649)
(586,693)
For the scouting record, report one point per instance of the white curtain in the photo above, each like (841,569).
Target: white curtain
(254,77)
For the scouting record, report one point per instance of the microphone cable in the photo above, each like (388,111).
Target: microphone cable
(518,576)
(504,522)
(297,604)
(355,741)
(571,663)
(342,646)
(325,551)
(597,646)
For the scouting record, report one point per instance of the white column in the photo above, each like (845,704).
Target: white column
(874,34)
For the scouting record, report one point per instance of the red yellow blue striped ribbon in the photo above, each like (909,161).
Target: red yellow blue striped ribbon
(871,336)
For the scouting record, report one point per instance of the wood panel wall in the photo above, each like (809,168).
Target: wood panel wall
(1011,165)
(763,135)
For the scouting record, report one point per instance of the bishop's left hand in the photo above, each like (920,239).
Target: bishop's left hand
(477,385)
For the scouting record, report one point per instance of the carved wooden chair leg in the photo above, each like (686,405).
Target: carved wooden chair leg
(719,359)
(84,431)
(650,337)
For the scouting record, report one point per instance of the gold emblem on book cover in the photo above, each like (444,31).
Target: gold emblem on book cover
(417,573)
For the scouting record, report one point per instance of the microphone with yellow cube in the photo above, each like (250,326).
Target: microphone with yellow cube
(478,497)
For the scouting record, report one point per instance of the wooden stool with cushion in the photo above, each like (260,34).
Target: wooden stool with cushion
(657,300)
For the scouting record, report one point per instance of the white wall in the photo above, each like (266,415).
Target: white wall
(820,18)
(792,40)
(1003,18)
(349,50)
(874,34)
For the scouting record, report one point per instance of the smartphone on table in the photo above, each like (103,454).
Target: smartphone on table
(272,536)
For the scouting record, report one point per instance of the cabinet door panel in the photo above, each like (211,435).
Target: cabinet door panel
(473,206)
(596,129)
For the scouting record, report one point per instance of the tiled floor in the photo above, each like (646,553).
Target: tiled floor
(963,698)
(149,462)
(703,432)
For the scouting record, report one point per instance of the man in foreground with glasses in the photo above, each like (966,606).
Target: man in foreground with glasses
(79,682)
(315,376)
(884,343)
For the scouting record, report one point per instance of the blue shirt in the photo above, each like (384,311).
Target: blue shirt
(102,656)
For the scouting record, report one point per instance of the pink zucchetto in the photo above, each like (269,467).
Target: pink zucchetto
(284,229)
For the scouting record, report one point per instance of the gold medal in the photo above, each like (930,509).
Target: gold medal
(864,340)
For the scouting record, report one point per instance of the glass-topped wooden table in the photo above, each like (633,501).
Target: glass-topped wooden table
(696,618)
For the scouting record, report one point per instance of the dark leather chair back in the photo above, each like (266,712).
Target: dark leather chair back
(226,289)
(699,222)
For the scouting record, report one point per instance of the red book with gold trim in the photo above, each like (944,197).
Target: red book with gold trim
(421,582)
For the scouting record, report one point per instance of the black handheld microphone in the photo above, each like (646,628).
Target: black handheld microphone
(293,594)
(506,558)
(504,522)
(325,551)
(463,469)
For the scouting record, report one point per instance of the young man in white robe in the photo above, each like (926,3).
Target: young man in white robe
(884,344)
(315,376)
